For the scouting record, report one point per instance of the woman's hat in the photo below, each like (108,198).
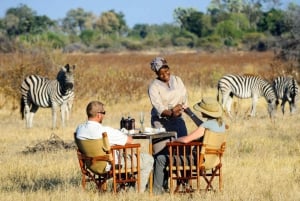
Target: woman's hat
(157,63)
(209,106)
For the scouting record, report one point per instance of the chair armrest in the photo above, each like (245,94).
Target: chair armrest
(194,143)
(93,159)
(101,158)
(135,145)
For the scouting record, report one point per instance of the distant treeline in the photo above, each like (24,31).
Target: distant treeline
(235,24)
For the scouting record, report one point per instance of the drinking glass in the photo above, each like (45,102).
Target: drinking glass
(142,118)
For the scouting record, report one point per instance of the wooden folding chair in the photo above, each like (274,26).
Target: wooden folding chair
(195,160)
(95,156)
(182,167)
(87,175)
(126,167)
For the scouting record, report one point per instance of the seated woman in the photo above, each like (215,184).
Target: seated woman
(212,111)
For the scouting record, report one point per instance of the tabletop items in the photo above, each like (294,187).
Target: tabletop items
(128,123)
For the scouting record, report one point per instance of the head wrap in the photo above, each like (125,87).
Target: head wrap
(157,63)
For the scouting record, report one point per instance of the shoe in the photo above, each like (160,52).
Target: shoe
(166,190)
(157,191)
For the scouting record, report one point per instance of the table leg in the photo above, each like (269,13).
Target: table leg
(151,173)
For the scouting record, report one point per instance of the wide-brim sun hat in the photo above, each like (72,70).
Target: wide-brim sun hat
(157,63)
(209,106)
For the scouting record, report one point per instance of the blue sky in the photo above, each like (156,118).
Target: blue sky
(135,11)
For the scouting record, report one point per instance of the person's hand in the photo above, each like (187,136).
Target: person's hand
(177,110)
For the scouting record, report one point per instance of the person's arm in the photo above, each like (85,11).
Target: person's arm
(193,116)
(129,139)
(196,134)
(174,112)
(156,101)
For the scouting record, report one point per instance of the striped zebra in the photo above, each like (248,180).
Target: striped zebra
(286,89)
(246,87)
(39,91)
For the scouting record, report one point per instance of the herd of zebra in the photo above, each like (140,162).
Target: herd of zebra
(284,88)
(39,91)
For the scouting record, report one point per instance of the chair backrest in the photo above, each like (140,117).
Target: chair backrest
(126,166)
(212,149)
(99,152)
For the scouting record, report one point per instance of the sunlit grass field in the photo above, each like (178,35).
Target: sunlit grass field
(262,159)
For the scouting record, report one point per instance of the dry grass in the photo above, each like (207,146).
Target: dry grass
(262,159)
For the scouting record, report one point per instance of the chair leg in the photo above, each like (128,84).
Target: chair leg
(83,182)
(212,176)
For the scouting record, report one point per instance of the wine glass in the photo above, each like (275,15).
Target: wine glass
(142,118)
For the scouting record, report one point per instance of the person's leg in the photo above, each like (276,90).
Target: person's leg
(181,127)
(146,167)
(175,124)
(160,176)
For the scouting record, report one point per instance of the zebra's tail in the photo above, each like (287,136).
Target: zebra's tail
(294,86)
(22,104)
(218,94)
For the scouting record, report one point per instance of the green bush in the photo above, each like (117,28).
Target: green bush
(132,45)
(56,40)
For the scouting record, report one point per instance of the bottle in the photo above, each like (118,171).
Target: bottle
(122,123)
(132,124)
(127,123)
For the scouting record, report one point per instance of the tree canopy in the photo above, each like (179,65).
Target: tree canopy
(244,24)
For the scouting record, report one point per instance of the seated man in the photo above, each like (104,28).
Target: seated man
(93,129)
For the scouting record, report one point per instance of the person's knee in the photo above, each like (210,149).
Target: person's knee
(161,160)
(147,159)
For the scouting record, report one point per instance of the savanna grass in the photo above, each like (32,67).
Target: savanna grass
(261,161)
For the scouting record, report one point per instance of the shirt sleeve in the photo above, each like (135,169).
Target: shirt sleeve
(214,126)
(115,136)
(155,98)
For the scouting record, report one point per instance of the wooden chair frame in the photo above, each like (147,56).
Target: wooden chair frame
(88,175)
(129,172)
(123,175)
(187,163)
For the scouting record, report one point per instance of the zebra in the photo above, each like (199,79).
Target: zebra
(247,86)
(286,89)
(39,91)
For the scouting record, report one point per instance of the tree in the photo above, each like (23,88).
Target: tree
(234,6)
(111,23)
(41,24)
(77,20)
(23,20)
(190,20)
(253,11)
(273,21)
(289,47)
(18,20)
(291,19)
(217,11)
(140,31)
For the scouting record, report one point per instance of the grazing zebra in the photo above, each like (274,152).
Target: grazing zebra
(246,87)
(286,89)
(38,92)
